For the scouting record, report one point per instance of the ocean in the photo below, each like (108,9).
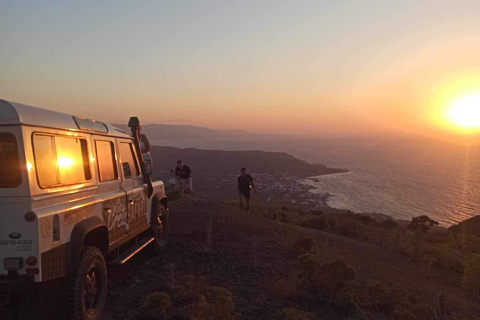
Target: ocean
(401,176)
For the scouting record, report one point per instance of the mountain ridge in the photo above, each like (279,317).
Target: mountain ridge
(223,162)
(159,131)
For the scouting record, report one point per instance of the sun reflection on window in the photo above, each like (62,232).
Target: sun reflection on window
(65,162)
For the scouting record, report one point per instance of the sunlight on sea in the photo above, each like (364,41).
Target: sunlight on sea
(398,176)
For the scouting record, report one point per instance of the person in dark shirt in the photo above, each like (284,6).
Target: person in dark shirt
(245,183)
(184,177)
(147,158)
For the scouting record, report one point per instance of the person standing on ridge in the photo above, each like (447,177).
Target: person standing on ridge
(146,148)
(245,183)
(184,177)
(172,180)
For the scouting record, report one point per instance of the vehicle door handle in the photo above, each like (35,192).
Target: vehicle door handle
(108,210)
(131,202)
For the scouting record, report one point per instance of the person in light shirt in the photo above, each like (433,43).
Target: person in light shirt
(183,173)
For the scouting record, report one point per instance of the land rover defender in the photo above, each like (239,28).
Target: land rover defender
(75,196)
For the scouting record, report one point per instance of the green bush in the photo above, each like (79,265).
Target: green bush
(365,219)
(190,287)
(472,244)
(471,280)
(192,300)
(350,229)
(303,245)
(335,275)
(314,223)
(388,224)
(283,289)
(157,306)
(221,304)
(294,314)
(465,243)
(406,244)
(445,258)
(329,282)
(397,303)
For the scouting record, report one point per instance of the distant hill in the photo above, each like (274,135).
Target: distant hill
(173,131)
(224,162)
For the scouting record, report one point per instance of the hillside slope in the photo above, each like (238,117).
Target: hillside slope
(247,255)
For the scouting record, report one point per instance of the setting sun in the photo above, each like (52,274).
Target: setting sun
(465,111)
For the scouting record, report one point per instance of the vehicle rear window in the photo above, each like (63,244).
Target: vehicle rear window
(61,160)
(107,168)
(130,166)
(10,172)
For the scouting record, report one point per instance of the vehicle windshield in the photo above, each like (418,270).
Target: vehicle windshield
(10,173)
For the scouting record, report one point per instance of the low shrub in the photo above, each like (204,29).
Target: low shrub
(397,303)
(388,224)
(294,314)
(220,302)
(445,258)
(465,243)
(334,276)
(406,244)
(350,229)
(283,289)
(303,245)
(157,306)
(314,223)
(471,279)
(192,300)
(190,287)
(329,282)
(365,219)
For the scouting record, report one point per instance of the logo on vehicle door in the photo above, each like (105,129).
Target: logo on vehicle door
(15,235)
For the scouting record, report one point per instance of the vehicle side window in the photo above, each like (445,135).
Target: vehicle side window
(10,172)
(61,160)
(107,167)
(129,163)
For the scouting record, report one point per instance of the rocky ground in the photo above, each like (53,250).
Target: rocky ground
(246,255)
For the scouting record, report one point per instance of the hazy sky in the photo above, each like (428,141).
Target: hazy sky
(308,67)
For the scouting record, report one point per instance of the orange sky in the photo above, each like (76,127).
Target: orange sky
(308,67)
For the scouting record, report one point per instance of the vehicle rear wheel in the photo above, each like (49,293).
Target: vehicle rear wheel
(159,225)
(88,291)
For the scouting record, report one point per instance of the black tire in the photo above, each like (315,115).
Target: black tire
(88,289)
(159,226)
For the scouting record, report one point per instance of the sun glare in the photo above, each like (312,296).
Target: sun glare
(64,163)
(465,112)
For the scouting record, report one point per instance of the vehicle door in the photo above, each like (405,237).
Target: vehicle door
(110,192)
(132,183)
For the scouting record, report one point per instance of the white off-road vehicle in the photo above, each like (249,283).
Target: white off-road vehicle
(74,197)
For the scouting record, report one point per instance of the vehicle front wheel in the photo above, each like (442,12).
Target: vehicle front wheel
(159,225)
(88,291)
